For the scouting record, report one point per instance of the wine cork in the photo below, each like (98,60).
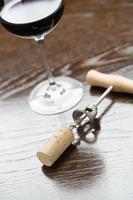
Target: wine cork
(119,83)
(56,145)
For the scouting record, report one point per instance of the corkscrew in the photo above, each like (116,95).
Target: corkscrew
(59,142)
(90,112)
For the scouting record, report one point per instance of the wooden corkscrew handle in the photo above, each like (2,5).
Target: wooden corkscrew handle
(119,83)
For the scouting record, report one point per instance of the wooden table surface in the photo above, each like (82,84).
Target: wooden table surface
(92,34)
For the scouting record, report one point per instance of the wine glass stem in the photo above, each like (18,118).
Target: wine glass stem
(46,62)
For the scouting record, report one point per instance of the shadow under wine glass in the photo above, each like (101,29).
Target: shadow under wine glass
(34,20)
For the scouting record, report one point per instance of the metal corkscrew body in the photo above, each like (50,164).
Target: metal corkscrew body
(90,112)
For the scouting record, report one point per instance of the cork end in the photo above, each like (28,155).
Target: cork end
(45,159)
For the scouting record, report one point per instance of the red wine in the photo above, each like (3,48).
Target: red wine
(30,18)
(1,4)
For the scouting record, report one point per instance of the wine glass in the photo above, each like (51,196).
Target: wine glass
(34,19)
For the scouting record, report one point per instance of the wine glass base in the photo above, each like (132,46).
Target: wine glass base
(68,94)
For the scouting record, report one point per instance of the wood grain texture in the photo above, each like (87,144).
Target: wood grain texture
(91,34)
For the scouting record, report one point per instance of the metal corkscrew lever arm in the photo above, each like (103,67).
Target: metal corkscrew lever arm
(90,111)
